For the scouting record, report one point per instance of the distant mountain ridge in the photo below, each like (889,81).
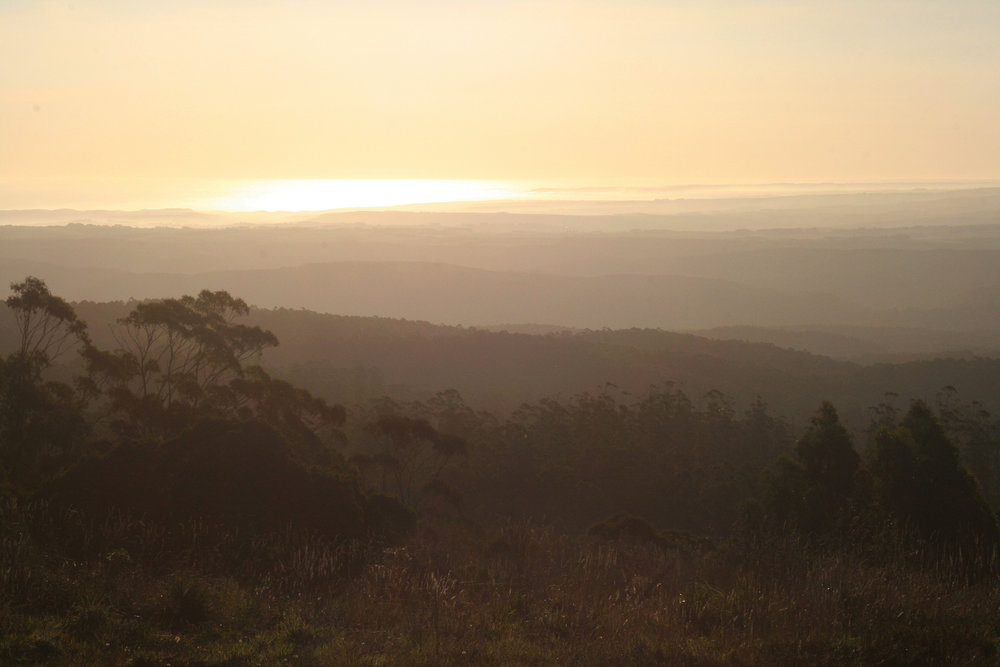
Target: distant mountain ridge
(868,294)
(352,359)
(450,294)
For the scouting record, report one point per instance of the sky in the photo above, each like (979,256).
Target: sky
(121,103)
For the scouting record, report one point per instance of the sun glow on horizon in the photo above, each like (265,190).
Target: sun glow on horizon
(725,91)
(327,194)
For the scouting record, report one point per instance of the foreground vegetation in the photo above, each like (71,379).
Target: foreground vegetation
(179,505)
(517,594)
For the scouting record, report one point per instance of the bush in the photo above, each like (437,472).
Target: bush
(242,475)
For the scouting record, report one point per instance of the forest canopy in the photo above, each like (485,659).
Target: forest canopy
(177,445)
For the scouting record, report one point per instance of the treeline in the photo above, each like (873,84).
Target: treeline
(678,462)
(175,423)
(569,463)
(704,467)
(176,503)
(351,360)
(912,483)
(177,362)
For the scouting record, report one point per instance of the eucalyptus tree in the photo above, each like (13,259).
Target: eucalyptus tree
(176,359)
(40,418)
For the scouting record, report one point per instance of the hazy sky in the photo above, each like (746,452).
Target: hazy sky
(128,95)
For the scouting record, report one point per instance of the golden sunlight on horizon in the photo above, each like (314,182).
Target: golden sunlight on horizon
(328,194)
(126,95)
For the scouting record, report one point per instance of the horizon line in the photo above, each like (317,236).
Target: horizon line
(525,196)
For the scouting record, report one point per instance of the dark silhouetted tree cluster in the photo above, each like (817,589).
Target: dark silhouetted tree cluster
(408,457)
(177,360)
(196,430)
(40,419)
(675,462)
(918,478)
(914,481)
(812,490)
(658,456)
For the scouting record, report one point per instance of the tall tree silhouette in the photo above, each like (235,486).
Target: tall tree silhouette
(919,478)
(176,360)
(812,491)
(40,419)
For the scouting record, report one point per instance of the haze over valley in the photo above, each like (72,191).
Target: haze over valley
(570,332)
(858,276)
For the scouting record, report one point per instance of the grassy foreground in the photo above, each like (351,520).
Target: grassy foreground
(127,593)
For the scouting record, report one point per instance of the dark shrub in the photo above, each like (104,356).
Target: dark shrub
(242,475)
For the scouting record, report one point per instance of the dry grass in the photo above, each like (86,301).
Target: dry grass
(517,594)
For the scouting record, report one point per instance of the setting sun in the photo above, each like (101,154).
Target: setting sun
(325,194)
(538,331)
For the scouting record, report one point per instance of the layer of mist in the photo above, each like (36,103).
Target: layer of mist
(860,276)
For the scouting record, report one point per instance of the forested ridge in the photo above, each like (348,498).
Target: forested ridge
(910,285)
(191,480)
(352,359)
